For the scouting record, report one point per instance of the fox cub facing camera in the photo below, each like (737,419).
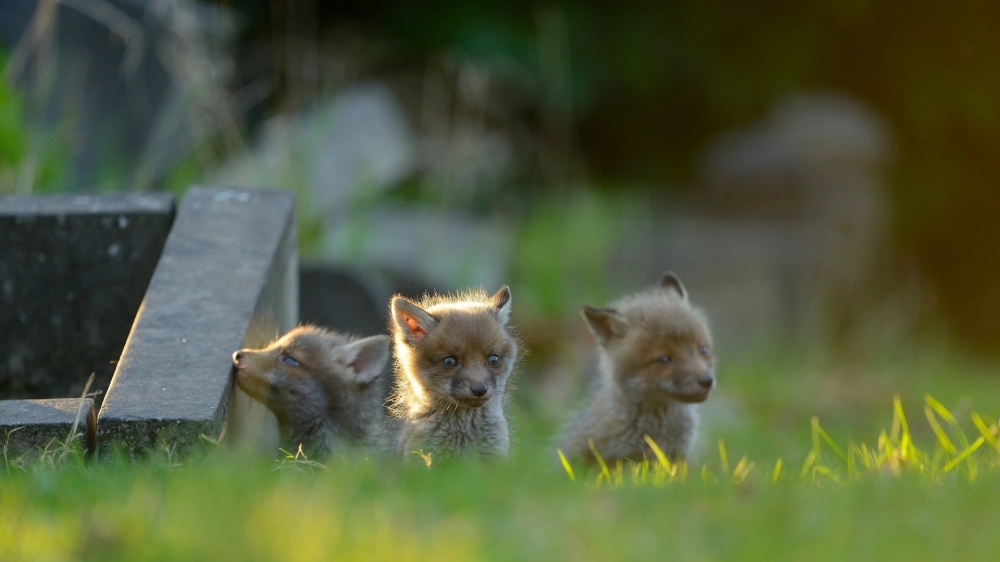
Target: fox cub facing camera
(655,365)
(321,385)
(454,357)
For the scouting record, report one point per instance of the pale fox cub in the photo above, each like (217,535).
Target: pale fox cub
(321,385)
(655,365)
(454,357)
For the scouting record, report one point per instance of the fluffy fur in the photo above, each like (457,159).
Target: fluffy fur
(656,364)
(454,357)
(321,385)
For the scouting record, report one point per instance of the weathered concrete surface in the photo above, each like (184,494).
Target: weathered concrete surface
(227,278)
(73,270)
(32,424)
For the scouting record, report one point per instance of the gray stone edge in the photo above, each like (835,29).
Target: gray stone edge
(103,203)
(27,425)
(135,435)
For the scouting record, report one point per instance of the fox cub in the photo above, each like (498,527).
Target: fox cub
(656,364)
(454,357)
(321,385)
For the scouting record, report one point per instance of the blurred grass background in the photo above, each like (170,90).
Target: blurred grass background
(574,145)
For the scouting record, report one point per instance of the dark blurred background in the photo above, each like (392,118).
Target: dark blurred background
(818,173)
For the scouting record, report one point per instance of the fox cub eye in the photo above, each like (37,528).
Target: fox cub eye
(703,350)
(450,362)
(664,359)
(287,360)
(493,360)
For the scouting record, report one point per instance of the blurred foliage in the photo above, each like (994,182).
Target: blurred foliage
(644,87)
(563,249)
(652,82)
(30,161)
(12,135)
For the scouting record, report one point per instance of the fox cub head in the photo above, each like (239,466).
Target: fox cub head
(654,345)
(454,351)
(313,377)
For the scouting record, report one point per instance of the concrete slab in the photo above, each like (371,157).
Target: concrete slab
(32,424)
(73,270)
(227,278)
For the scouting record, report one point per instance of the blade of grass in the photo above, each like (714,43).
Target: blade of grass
(942,437)
(946,415)
(808,463)
(79,410)
(742,470)
(619,474)
(819,433)
(940,409)
(566,466)
(863,454)
(984,429)
(906,450)
(658,452)
(829,474)
(900,429)
(600,461)
(965,454)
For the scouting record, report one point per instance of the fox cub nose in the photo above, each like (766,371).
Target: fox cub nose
(706,380)
(479,389)
(237,358)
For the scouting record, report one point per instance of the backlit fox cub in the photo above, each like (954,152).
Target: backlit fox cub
(656,364)
(454,357)
(320,385)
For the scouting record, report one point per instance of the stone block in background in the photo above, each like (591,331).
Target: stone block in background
(787,236)
(110,74)
(445,250)
(227,279)
(754,279)
(73,271)
(356,141)
(350,300)
(341,299)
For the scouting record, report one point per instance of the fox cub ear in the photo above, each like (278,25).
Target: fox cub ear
(605,323)
(411,320)
(671,281)
(366,358)
(501,302)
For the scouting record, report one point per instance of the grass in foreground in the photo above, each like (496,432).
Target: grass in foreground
(893,454)
(919,489)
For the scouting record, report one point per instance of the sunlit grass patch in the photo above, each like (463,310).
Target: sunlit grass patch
(813,496)
(952,455)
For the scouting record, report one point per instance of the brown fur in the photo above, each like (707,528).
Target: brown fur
(656,363)
(329,398)
(437,404)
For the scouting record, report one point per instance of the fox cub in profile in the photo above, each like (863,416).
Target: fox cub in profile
(321,385)
(454,357)
(655,364)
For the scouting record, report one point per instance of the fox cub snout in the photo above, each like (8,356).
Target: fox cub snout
(321,385)
(656,364)
(454,356)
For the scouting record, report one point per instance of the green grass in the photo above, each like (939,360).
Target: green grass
(868,478)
